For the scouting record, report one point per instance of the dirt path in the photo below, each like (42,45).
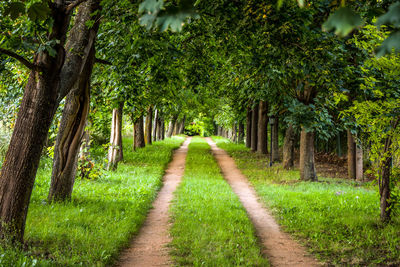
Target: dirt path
(149,246)
(280,249)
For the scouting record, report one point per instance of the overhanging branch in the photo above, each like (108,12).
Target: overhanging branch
(72,5)
(102,61)
(21,59)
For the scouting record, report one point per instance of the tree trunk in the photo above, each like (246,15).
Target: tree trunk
(154,135)
(307,163)
(85,145)
(46,86)
(162,129)
(171,126)
(159,128)
(182,125)
(385,184)
(215,129)
(149,120)
(262,134)
(351,156)
(288,148)
(275,140)
(234,133)
(254,128)
(22,158)
(138,135)
(384,187)
(120,147)
(359,164)
(176,127)
(69,136)
(115,138)
(248,127)
(240,132)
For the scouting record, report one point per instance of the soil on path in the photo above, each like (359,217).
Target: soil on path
(149,247)
(279,248)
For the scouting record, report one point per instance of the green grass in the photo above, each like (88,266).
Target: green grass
(102,216)
(337,219)
(211,227)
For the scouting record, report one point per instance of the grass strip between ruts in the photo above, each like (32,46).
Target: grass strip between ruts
(337,219)
(210,225)
(92,228)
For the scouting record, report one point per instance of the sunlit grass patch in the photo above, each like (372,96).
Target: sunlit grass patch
(211,227)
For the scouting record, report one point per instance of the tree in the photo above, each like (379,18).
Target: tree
(115,149)
(49,81)
(262,128)
(75,113)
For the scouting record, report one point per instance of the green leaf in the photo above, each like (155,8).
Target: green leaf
(38,11)
(301,3)
(147,20)
(15,9)
(344,20)
(151,6)
(392,42)
(392,17)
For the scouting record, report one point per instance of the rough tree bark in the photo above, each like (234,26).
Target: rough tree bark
(46,86)
(288,148)
(115,138)
(120,156)
(162,128)
(138,135)
(307,163)
(262,134)
(254,128)
(351,156)
(182,125)
(171,125)
(232,134)
(69,136)
(275,140)
(154,134)
(158,126)
(219,130)
(240,132)
(148,126)
(359,163)
(385,185)
(176,127)
(248,127)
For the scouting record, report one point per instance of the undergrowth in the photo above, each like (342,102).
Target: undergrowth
(211,228)
(100,219)
(338,220)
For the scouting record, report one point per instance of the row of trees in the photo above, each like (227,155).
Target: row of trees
(68,77)
(259,62)
(316,85)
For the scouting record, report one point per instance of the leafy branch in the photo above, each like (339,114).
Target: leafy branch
(21,59)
